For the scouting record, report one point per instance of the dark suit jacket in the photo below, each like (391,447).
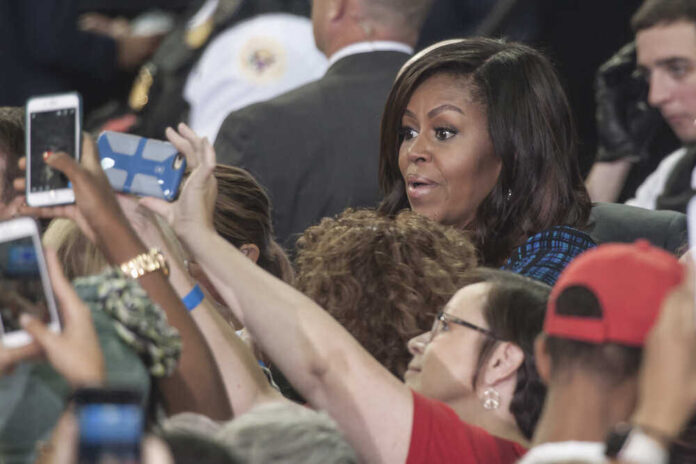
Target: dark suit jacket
(316,148)
(613,222)
(42,51)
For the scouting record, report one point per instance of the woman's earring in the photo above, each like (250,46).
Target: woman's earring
(508,195)
(491,399)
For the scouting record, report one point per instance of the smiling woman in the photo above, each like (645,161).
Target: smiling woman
(478,134)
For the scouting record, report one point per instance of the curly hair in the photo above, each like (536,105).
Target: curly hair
(383,278)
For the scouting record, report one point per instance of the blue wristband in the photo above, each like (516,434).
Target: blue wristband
(193,298)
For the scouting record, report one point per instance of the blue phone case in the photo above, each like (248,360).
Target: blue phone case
(141,166)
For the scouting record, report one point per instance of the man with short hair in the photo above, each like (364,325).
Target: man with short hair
(316,148)
(666,56)
(599,315)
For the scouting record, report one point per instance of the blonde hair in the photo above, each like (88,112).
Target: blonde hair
(77,254)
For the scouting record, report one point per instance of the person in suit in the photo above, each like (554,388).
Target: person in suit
(316,148)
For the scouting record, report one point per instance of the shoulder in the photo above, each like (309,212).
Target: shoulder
(296,101)
(647,193)
(545,254)
(438,435)
(247,131)
(616,222)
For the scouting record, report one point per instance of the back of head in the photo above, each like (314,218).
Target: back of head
(514,312)
(194,448)
(656,12)
(399,15)
(383,279)
(11,148)
(530,126)
(602,308)
(243,215)
(284,432)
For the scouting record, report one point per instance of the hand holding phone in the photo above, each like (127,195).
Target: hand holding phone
(96,209)
(75,353)
(53,124)
(25,287)
(141,166)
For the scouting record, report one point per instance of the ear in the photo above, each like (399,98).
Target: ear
(542,358)
(337,9)
(251,251)
(503,363)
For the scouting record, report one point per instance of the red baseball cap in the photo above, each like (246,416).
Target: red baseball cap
(625,284)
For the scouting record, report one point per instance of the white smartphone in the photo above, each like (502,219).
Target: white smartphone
(53,123)
(24,282)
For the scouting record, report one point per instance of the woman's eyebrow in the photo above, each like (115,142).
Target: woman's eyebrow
(446,107)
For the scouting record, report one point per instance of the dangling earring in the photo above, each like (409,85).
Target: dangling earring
(491,399)
(508,195)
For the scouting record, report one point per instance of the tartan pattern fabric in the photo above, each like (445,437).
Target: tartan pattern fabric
(544,255)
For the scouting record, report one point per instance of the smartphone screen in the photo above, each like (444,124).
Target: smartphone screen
(21,288)
(50,131)
(111,426)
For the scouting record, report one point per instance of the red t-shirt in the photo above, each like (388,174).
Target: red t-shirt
(439,436)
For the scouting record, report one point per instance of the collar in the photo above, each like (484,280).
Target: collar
(366,47)
(565,451)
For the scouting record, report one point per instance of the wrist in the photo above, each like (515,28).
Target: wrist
(634,444)
(118,242)
(193,298)
(88,378)
(197,239)
(665,424)
(144,263)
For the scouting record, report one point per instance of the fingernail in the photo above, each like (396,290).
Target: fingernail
(47,154)
(25,319)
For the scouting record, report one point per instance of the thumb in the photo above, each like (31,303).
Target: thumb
(38,331)
(158,206)
(69,301)
(64,163)
(89,157)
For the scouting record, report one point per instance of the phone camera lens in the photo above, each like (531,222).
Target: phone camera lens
(178,161)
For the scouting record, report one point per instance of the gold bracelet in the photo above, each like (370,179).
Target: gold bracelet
(145,263)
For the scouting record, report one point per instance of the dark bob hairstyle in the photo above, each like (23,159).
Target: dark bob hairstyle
(530,126)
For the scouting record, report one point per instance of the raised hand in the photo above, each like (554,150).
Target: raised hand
(75,352)
(668,374)
(192,213)
(95,206)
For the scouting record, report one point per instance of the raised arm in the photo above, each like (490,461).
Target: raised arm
(327,366)
(196,384)
(245,382)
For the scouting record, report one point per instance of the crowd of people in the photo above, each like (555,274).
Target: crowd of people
(378,253)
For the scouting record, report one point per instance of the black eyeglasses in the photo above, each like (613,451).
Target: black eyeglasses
(442,319)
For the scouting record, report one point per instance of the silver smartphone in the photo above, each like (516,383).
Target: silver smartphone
(24,283)
(53,124)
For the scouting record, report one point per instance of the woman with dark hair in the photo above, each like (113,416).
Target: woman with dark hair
(478,134)
(496,316)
